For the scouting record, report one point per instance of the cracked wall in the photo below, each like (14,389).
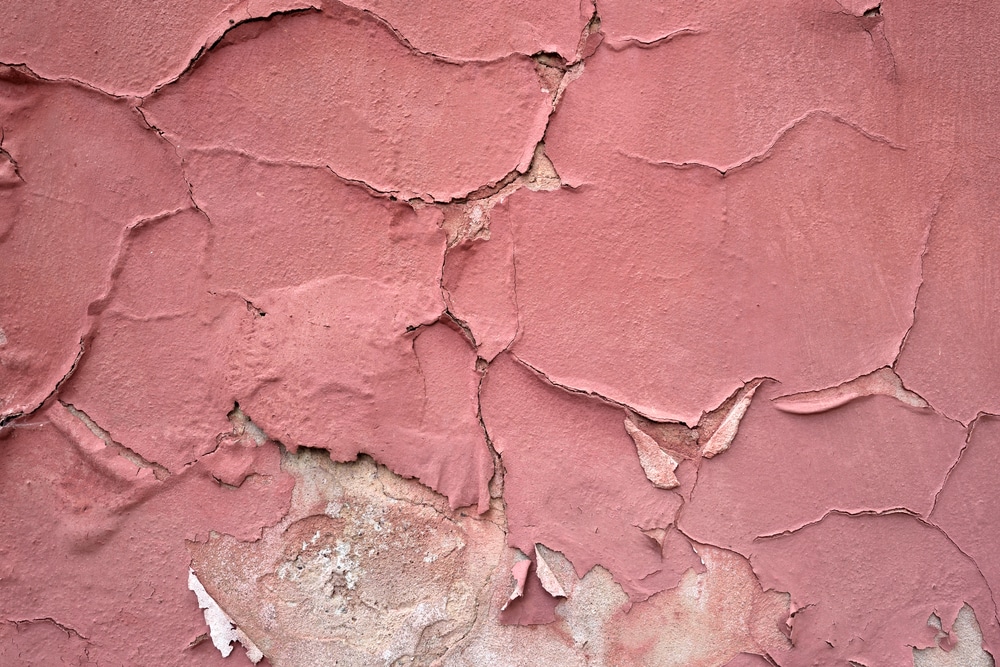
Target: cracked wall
(510,333)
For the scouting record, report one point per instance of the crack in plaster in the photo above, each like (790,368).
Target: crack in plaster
(922,260)
(765,153)
(132,456)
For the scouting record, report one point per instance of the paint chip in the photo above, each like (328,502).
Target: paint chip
(548,578)
(724,435)
(520,573)
(221,628)
(658,465)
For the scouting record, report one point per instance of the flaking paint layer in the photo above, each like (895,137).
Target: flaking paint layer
(388,333)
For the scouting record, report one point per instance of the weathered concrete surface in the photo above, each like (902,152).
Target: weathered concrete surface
(377,332)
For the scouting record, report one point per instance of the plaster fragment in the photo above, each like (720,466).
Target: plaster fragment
(961,648)
(127,49)
(658,465)
(63,226)
(724,435)
(870,602)
(724,602)
(88,511)
(357,586)
(593,511)
(788,263)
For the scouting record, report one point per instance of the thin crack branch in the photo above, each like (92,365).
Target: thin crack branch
(883,512)
(768,150)
(26,70)
(958,459)
(922,264)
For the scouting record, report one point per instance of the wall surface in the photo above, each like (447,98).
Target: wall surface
(499,333)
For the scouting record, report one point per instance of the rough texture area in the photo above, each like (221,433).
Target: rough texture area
(509,333)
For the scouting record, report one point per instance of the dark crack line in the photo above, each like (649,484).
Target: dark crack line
(879,27)
(70,631)
(8,420)
(573,390)
(118,260)
(207,48)
(25,69)
(449,60)
(883,512)
(182,167)
(958,459)
(10,158)
(499,472)
(125,452)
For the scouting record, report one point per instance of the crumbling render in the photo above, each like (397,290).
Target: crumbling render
(499,333)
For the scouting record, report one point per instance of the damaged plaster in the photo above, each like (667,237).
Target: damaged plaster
(388,333)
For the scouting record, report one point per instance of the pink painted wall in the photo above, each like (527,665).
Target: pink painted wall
(507,333)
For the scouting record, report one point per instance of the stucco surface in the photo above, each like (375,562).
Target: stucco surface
(499,333)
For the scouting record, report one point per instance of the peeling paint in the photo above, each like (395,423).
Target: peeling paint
(658,465)
(724,435)
(220,626)
(388,333)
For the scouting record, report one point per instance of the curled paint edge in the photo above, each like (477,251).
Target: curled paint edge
(520,573)
(883,382)
(221,627)
(658,465)
(726,433)
(548,578)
